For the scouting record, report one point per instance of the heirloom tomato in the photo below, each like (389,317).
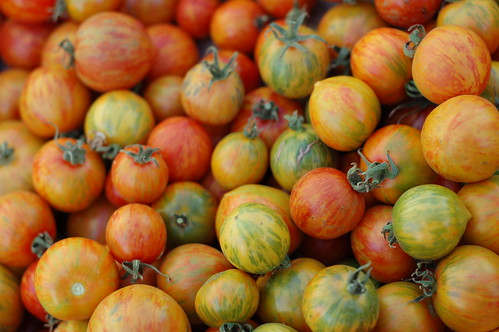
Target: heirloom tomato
(194,16)
(11,85)
(12,311)
(280,8)
(150,11)
(53,55)
(163,96)
(404,14)
(411,113)
(274,327)
(111,194)
(79,11)
(28,11)
(72,326)
(213,186)
(28,294)
(73,276)
(328,252)
(491,92)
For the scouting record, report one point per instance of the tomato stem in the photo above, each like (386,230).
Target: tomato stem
(60,9)
(375,173)
(261,20)
(295,122)
(181,220)
(235,327)
(218,73)
(41,243)
(425,279)
(136,267)
(356,286)
(6,154)
(416,35)
(412,90)
(52,322)
(389,235)
(251,130)
(342,60)
(266,110)
(108,152)
(69,48)
(143,156)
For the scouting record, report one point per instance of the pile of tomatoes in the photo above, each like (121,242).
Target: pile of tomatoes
(208,165)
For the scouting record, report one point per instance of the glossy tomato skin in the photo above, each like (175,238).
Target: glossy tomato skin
(97,43)
(227,296)
(111,194)
(122,116)
(137,307)
(428,221)
(324,205)
(469,67)
(279,8)
(345,124)
(136,231)
(53,55)
(195,15)
(189,266)
(73,276)
(150,11)
(368,244)
(398,313)
(28,294)
(328,252)
(24,216)
(163,96)
(67,187)
(72,326)
(281,293)
(11,85)
(379,60)
(53,98)
(185,146)
(404,14)
(12,314)
(465,157)
(31,11)
(188,210)
(467,292)
(79,11)
(213,186)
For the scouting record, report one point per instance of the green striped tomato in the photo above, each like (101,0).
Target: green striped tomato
(11,312)
(227,296)
(254,238)
(428,221)
(275,327)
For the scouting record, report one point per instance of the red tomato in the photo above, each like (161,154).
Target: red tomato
(163,96)
(52,54)
(280,8)
(28,295)
(25,216)
(210,183)
(328,252)
(12,311)
(150,11)
(194,16)
(28,11)
(11,85)
(403,14)
(79,11)
(111,194)
(411,114)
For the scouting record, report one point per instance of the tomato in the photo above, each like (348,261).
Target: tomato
(274,327)
(28,295)
(97,44)
(254,238)
(91,222)
(12,308)
(212,92)
(412,114)
(210,183)
(163,96)
(21,44)
(150,11)
(53,98)
(53,55)
(28,11)
(399,313)
(72,326)
(481,16)
(18,147)
(451,51)
(111,194)
(139,307)
(378,59)
(189,266)
(122,116)
(11,85)
(148,276)
(291,58)
(176,52)
(268,110)
(194,16)
(185,146)
(188,210)
(281,293)
(25,217)
(345,124)
(297,151)
(280,8)
(324,205)
(227,296)
(340,298)
(404,14)
(428,221)
(328,252)
(80,11)
(73,276)
(491,92)
(465,156)
(68,175)
(466,290)
(481,199)
(257,193)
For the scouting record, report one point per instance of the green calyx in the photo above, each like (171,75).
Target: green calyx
(295,121)
(412,90)
(286,262)
(52,322)
(60,9)
(377,172)
(342,61)
(143,156)
(235,327)
(72,153)
(218,73)
(135,269)
(6,154)
(108,152)
(425,279)
(389,235)
(356,286)
(266,110)
(69,48)
(416,35)
(41,243)
(251,130)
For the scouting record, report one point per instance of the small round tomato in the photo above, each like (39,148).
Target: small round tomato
(111,194)
(11,85)
(28,294)
(28,11)
(163,96)
(194,16)
(53,55)
(328,252)
(274,327)
(150,11)
(72,326)
(280,8)
(79,11)
(403,14)
(12,311)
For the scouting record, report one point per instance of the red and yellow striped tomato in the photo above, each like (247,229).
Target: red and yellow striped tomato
(53,55)
(28,293)
(404,14)
(12,308)
(163,96)
(11,85)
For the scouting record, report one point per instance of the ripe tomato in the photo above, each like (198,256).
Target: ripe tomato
(111,194)
(404,14)
(328,252)
(79,11)
(227,296)
(188,210)
(450,145)
(12,311)
(72,326)
(11,85)
(194,16)
(25,217)
(73,276)
(28,11)
(28,294)
(411,114)
(163,96)
(281,293)
(213,186)
(345,124)
(274,327)
(53,55)
(189,266)
(136,307)
(280,8)
(97,44)
(150,11)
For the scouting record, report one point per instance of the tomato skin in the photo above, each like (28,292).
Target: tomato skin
(493,85)
(111,194)
(194,16)
(28,295)
(189,266)
(80,11)
(328,252)
(281,293)
(432,64)
(324,205)
(379,60)
(97,44)
(227,296)
(53,98)
(368,244)
(163,96)
(150,11)
(451,121)
(397,313)
(122,116)
(210,183)
(53,55)
(24,216)
(136,307)
(31,11)
(274,327)
(72,326)
(279,8)
(481,199)
(12,313)
(428,221)
(404,14)
(73,276)
(185,146)
(413,116)
(467,292)
(11,85)
(347,123)
(67,187)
